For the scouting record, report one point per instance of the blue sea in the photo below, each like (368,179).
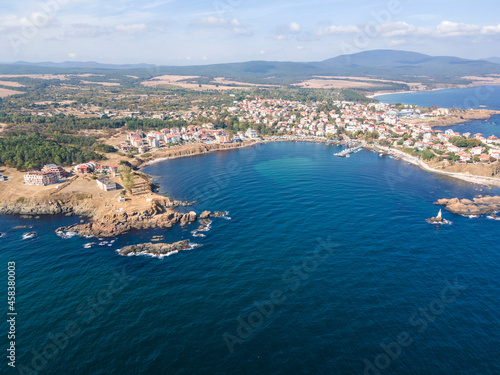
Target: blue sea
(474,97)
(484,97)
(323,265)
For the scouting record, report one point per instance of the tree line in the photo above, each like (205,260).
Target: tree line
(28,152)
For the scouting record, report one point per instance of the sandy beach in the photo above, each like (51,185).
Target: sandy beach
(474,179)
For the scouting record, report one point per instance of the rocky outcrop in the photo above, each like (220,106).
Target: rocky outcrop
(79,204)
(118,223)
(478,206)
(155,249)
(205,215)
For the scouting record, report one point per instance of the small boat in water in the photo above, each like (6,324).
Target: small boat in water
(29,235)
(438,220)
(2,234)
(89,245)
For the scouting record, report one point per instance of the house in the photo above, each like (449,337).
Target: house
(420,145)
(476,151)
(154,142)
(484,158)
(105,183)
(53,168)
(408,143)
(113,169)
(223,139)
(172,138)
(495,154)
(125,147)
(85,167)
(40,178)
(464,157)
(142,149)
(492,139)
(251,133)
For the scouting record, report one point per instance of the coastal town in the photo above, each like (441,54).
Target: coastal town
(403,129)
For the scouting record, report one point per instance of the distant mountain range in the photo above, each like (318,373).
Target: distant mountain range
(493,60)
(85,65)
(383,64)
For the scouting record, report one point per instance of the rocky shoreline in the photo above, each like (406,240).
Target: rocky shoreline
(61,205)
(158,250)
(462,117)
(193,150)
(476,207)
(110,225)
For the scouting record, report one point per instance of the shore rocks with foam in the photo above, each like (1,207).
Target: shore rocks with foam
(478,206)
(155,249)
(62,204)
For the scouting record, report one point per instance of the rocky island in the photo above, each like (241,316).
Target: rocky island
(478,206)
(156,249)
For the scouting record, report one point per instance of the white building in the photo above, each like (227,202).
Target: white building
(105,183)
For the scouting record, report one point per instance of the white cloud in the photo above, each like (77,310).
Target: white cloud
(36,20)
(447,28)
(491,29)
(213,21)
(397,42)
(334,29)
(131,29)
(242,31)
(234,24)
(294,27)
(399,29)
(71,55)
(392,29)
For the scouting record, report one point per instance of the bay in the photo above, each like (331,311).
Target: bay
(344,240)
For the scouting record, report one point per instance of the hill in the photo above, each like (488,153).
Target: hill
(493,59)
(383,64)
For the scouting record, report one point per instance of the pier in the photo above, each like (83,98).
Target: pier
(348,151)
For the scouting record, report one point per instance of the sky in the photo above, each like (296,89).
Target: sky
(173,32)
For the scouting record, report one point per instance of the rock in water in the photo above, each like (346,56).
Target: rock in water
(155,249)
(478,206)
(205,215)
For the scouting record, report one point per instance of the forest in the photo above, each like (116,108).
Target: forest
(29,152)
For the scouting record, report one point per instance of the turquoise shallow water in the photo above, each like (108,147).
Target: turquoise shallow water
(340,245)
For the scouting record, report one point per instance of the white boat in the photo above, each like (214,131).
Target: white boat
(29,235)
(440,215)
(2,234)
(89,245)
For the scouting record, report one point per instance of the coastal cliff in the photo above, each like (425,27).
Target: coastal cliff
(107,217)
(159,214)
(461,116)
(80,204)
(192,150)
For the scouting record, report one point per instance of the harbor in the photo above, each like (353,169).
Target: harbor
(348,151)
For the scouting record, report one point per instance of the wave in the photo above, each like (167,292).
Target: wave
(67,234)
(444,222)
(191,245)
(204,227)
